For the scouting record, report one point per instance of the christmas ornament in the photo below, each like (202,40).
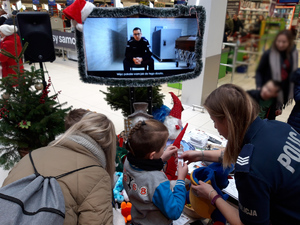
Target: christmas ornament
(5,96)
(39,86)
(24,124)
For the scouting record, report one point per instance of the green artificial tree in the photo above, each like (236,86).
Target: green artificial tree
(118,97)
(30,118)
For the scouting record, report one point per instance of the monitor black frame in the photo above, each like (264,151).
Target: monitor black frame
(142,11)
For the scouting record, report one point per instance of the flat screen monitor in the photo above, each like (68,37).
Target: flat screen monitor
(138,50)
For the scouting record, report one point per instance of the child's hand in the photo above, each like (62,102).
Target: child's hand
(278,112)
(182,170)
(171,150)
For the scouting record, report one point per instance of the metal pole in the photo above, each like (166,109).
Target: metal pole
(234,61)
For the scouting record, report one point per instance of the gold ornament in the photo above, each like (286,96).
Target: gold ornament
(39,86)
(5,96)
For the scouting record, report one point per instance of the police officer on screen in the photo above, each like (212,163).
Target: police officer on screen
(138,52)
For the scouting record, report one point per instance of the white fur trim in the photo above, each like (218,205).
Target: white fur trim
(171,122)
(86,10)
(79,27)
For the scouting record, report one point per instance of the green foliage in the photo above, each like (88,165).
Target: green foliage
(29,118)
(118,97)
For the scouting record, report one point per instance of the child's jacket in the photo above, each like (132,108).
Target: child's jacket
(149,191)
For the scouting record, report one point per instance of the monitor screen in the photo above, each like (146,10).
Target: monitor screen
(145,47)
(131,47)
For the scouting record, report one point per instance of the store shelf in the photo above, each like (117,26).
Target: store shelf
(255,10)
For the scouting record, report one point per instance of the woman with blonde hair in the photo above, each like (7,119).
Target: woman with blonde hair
(88,192)
(266,154)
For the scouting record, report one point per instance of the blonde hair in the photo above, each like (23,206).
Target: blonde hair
(232,104)
(99,128)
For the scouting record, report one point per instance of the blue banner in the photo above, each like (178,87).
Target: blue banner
(51,2)
(92,1)
(69,2)
(35,1)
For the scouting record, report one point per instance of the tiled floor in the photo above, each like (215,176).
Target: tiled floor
(65,77)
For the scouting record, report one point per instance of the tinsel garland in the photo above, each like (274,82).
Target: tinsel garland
(177,11)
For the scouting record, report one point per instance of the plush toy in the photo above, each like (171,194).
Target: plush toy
(161,113)
(118,188)
(126,211)
(173,120)
(78,12)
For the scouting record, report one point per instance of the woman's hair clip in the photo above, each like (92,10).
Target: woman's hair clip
(143,123)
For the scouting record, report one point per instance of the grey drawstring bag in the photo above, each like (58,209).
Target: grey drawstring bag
(33,200)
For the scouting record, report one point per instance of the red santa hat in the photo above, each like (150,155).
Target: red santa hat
(177,108)
(79,11)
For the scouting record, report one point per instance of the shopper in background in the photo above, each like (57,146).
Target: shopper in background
(266,98)
(9,38)
(294,118)
(228,25)
(278,63)
(87,193)
(266,153)
(3,16)
(237,24)
(257,25)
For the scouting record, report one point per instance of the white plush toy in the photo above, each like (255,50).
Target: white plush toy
(173,120)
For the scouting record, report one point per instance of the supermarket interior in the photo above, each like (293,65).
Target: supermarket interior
(139,60)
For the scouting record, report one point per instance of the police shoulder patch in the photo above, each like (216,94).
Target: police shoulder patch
(243,160)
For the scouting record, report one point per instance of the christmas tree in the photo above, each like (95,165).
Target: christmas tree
(118,97)
(30,117)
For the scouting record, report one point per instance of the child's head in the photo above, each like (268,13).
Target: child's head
(270,90)
(147,139)
(74,116)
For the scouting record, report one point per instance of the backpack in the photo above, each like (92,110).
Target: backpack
(33,200)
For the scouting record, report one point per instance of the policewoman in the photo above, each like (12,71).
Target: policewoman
(266,154)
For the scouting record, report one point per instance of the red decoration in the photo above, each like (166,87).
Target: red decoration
(180,136)
(177,127)
(177,108)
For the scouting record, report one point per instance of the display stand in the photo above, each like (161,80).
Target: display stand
(43,75)
(132,99)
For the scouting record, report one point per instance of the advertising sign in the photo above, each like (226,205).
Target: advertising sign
(63,39)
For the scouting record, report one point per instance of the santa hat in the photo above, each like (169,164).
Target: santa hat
(177,108)
(78,12)
(180,136)
(8,30)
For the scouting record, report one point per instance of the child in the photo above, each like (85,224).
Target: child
(74,116)
(147,186)
(267,99)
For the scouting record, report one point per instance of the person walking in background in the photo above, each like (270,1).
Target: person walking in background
(278,63)
(257,25)
(294,118)
(87,193)
(228,25)
(8,33)
(237,24)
